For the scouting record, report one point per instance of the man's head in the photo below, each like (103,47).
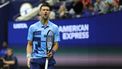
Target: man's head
(9,52)
(45,11)
(5,44)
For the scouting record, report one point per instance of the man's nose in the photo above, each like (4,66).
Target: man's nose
(45,12)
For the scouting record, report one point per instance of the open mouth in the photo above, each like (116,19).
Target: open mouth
(45,14)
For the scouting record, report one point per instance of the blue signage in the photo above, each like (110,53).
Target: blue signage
(97,30)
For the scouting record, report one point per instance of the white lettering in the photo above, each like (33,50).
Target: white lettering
(73,28)
(20,26)
(76,35)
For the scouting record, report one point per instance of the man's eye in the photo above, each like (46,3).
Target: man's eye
(45,9)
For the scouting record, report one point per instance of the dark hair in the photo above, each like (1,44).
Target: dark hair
(46,4)
(10,49)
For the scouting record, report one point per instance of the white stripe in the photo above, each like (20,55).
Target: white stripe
(46,63)
(1,6)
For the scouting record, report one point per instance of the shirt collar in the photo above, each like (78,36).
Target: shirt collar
(44,26)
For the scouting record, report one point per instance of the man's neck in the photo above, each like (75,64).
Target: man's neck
(44,21)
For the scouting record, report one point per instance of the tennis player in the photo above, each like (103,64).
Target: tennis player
(36,46)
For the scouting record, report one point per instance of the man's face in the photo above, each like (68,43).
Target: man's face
(9,52)
(44,12)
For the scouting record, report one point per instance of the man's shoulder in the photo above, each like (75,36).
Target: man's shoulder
(35,24)
(53,24)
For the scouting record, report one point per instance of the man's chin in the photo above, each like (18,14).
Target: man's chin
(45,17)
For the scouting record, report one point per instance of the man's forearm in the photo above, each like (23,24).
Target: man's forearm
(29,49)
(55,47)
(9,62)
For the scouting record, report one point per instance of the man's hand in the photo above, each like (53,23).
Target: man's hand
(28,62)
(2,60)
(50,54)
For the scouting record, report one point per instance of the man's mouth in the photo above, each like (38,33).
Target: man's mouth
(45,14)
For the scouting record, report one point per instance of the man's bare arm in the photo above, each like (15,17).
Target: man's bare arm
(55,48)
(29,48)
(9,62)
(29,51)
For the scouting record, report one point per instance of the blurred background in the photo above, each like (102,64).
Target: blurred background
(90,31)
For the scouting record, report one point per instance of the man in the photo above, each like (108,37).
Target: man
(10,61)
(101,7)
(36,47)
